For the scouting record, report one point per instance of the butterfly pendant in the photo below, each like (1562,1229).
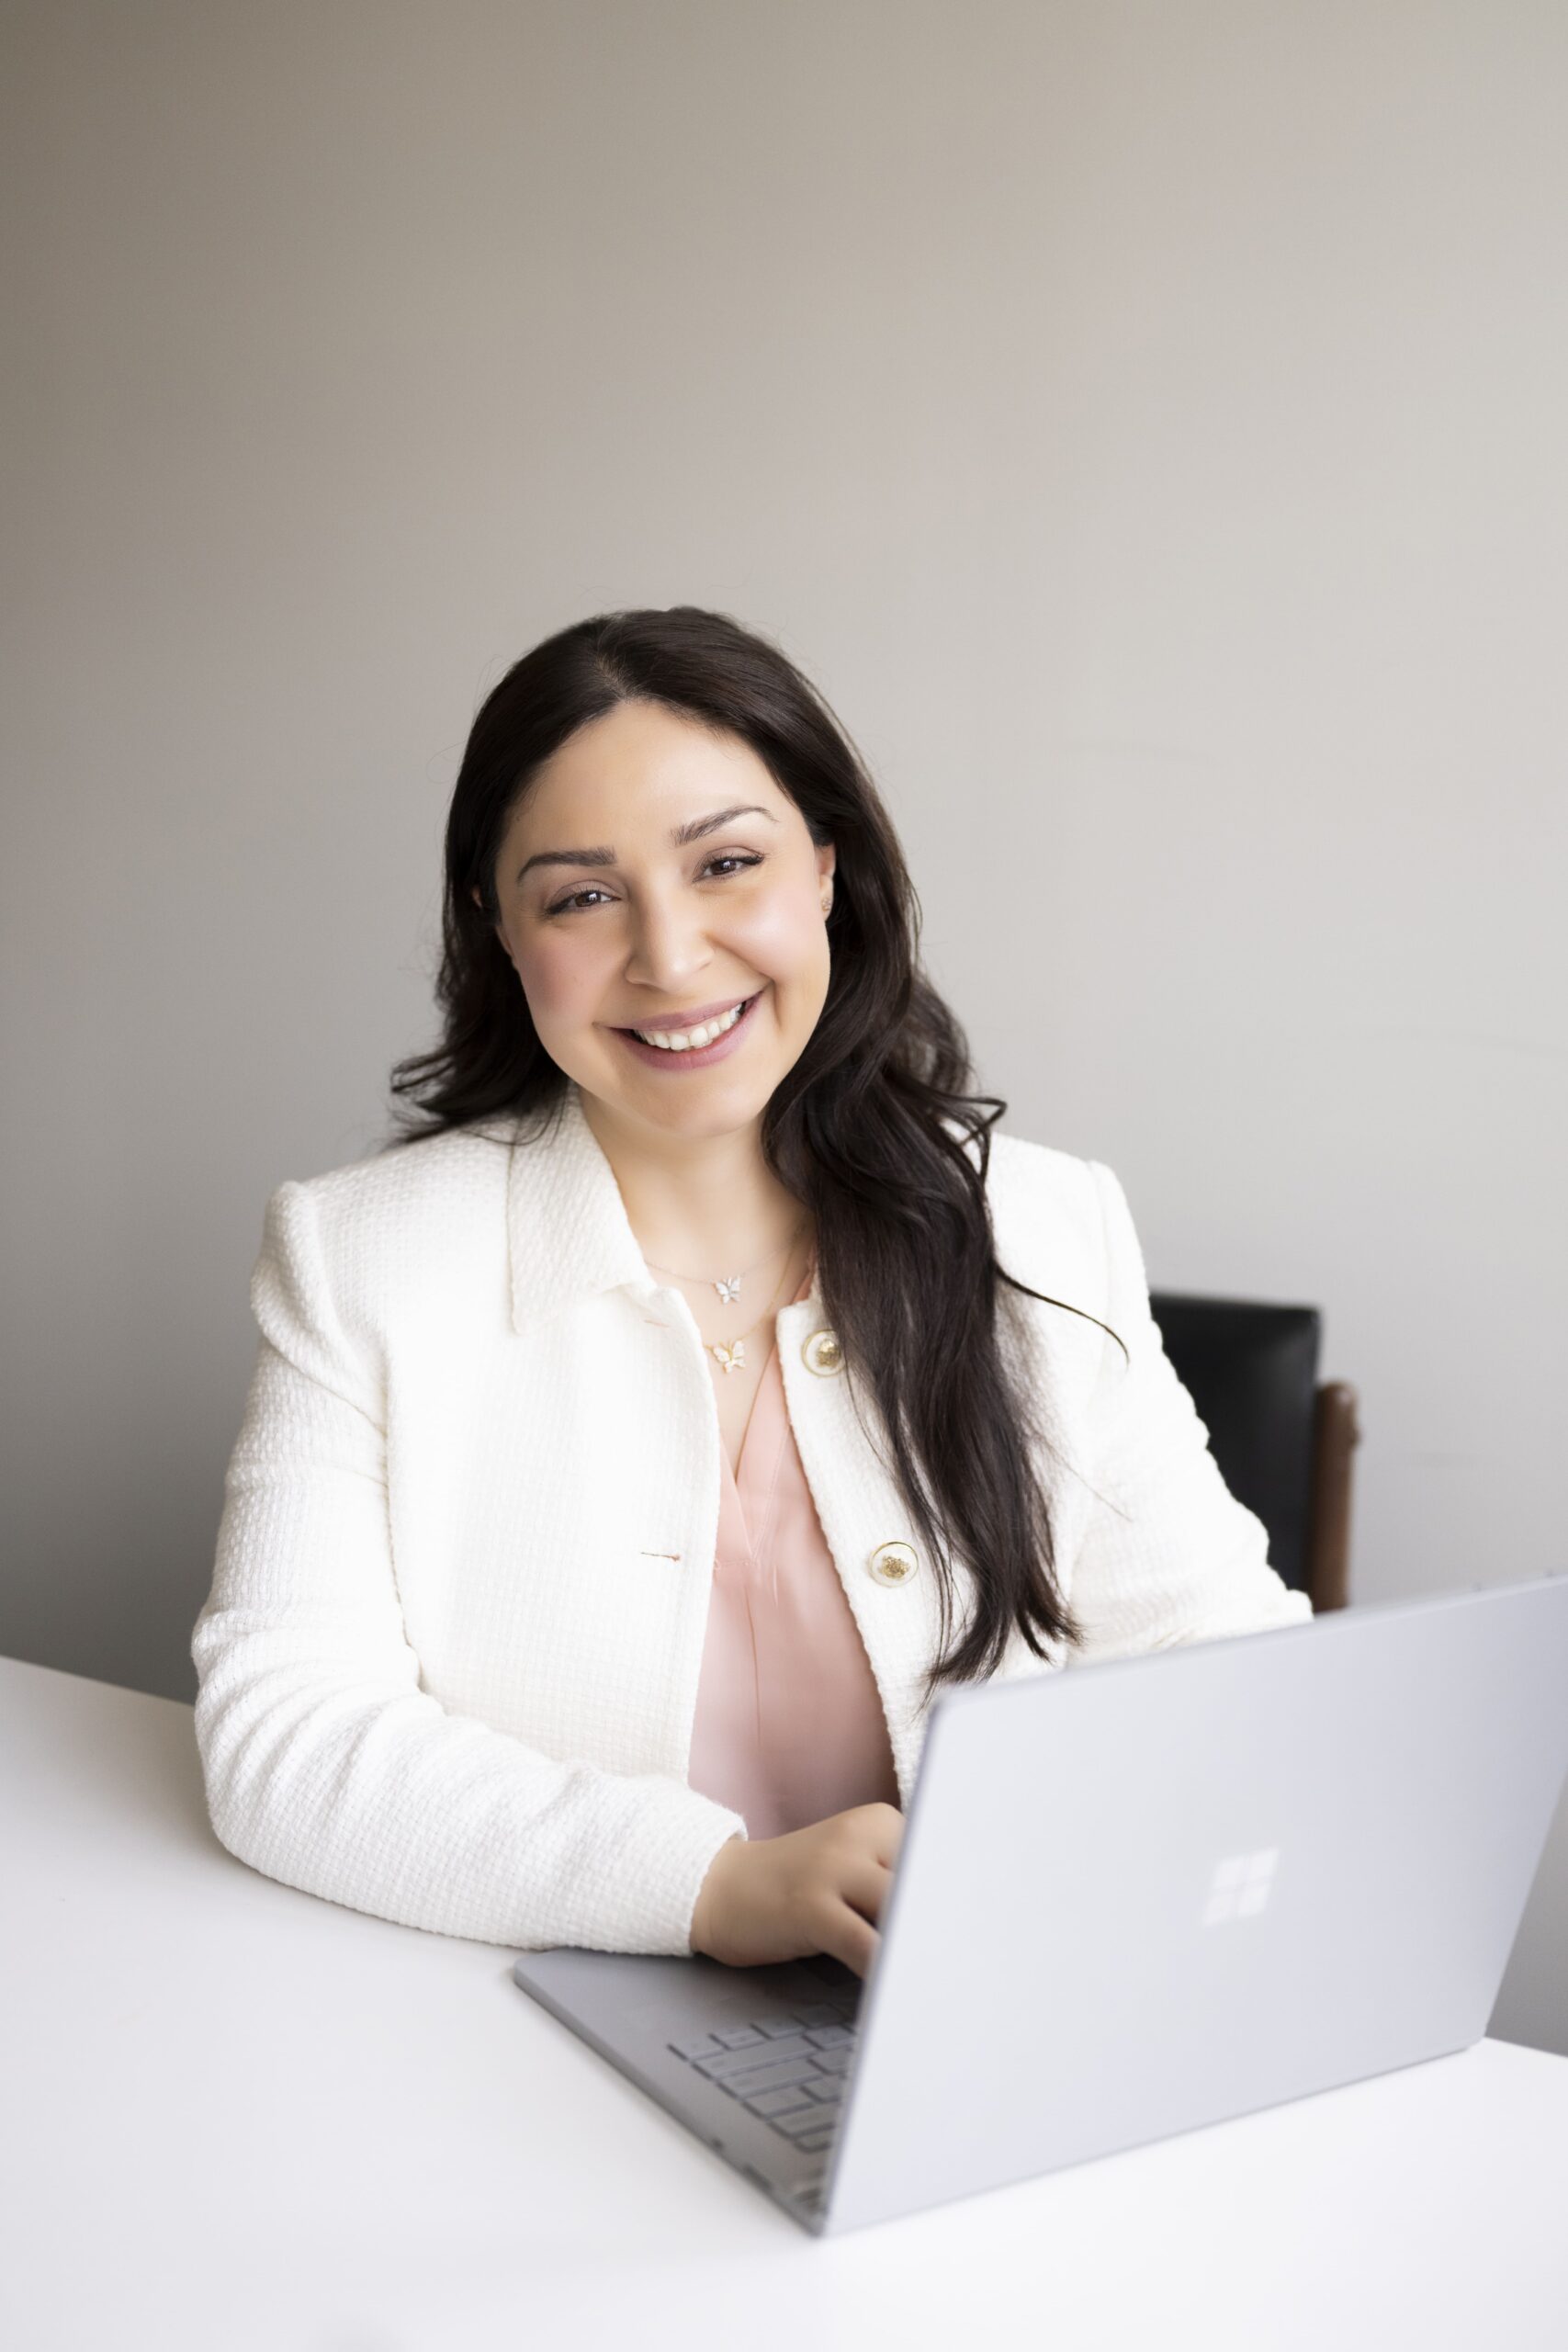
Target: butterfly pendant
(733,1358)
(729,1289)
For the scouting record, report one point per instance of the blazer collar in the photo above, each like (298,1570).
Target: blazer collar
(567,1230)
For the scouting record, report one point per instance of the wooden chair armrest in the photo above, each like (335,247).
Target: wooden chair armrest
(1335,1434)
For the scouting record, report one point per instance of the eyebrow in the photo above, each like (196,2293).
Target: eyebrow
(694,831)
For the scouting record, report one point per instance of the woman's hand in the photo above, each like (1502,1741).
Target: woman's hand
(820,1889)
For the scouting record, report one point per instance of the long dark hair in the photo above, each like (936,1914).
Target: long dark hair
(869,1130)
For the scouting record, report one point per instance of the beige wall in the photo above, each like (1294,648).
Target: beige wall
(1145,422)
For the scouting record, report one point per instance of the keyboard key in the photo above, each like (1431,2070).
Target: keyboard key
(776,2028)
(701,2046)
(832,2061)
(819,2141)
(778,2102)
(805,2119)
(768,2078)
(830,2037)
(769,2054)
(737,2037)
(829,2091)
(819,2013)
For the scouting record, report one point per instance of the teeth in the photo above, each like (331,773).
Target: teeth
(686,1041)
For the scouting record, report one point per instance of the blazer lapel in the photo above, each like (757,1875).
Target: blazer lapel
(568,1235)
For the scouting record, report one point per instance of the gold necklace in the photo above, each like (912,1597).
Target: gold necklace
(731,1353)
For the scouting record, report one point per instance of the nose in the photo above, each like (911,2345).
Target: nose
(669,944)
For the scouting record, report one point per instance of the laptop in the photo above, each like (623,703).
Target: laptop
(1133,1899)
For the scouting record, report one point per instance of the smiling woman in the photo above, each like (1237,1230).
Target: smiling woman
(705,904)
(694,1383)
(657,819)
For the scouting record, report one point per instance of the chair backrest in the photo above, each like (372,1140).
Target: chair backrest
(1251,1370)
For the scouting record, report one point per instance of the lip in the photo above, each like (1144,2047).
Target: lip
(693,1018)
(659,1057)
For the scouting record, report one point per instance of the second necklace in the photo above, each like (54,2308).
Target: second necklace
(730,1355)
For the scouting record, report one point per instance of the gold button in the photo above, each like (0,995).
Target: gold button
(894,1563)
(823,1353)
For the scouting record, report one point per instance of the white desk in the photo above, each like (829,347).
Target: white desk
(239,2118)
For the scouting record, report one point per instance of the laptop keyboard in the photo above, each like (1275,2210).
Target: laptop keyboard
(790,2070)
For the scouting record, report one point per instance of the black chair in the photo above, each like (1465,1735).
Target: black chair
(1283,1440)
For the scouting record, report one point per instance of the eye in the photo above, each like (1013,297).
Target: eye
(570,904)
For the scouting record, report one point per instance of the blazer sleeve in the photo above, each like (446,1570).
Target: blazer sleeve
(1170,1556)
(326,1765)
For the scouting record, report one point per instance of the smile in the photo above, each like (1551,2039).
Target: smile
(709,1042)
(682,1041)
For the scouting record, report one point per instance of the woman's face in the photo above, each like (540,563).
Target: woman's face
(621,925)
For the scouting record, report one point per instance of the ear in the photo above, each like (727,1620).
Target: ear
(494,922)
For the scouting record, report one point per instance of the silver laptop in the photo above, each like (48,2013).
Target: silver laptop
(1133,1899)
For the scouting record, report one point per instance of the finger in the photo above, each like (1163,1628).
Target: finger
(882,1832)
(848,1938)
(864,1884)
(891,1839)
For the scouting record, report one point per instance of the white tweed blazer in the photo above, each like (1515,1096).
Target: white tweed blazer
(449,1663)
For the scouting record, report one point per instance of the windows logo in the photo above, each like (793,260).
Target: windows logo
(1241,1885)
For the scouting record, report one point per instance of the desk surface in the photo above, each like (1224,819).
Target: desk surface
(244,2120)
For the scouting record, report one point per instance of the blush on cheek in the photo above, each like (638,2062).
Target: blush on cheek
(559,992)
(779,935)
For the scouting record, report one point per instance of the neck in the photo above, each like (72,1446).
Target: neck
(708,1204)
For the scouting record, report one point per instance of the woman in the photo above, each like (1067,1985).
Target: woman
(637,1445)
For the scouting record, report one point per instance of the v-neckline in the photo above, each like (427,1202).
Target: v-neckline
(736,1472)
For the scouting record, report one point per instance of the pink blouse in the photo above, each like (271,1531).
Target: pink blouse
(789,1727)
